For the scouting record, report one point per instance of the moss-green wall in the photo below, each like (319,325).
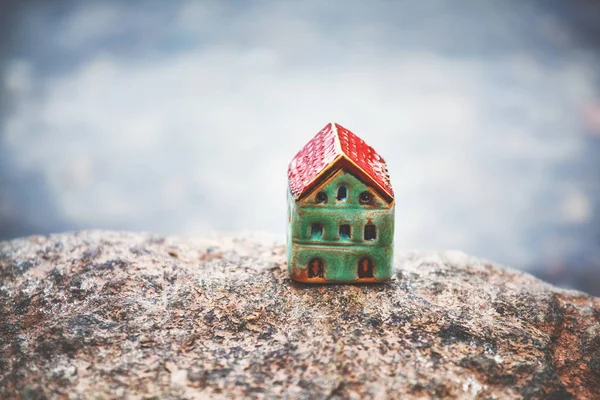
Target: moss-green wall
(340,255)
(341,263)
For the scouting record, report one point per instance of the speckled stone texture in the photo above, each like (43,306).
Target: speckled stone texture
(120,315)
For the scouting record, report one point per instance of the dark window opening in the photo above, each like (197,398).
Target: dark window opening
(321,197)
(315,268)
(366,198)
(370,232)
(342,193)
(316,230)
(365,268)
(345,231)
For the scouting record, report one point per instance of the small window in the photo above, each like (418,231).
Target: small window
(366,198)
(316,231)
(342,193)
(345,231)
(370,232)
(321,197)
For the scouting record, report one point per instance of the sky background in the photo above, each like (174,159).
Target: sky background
(181,117)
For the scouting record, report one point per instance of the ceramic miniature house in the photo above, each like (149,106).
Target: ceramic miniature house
(340,211)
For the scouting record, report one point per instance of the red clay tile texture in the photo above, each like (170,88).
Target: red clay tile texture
(322,150)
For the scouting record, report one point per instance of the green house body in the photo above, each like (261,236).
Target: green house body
(341,227)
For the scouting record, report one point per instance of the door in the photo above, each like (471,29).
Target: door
(365,268)
(316,268)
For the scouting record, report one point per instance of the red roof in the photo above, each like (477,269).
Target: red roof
(335,145)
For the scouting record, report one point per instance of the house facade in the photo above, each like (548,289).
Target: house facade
(340,211)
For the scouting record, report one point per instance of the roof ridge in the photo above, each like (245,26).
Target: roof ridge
(332,143)
(336,136)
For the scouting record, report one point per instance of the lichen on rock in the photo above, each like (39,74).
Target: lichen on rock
(110,315)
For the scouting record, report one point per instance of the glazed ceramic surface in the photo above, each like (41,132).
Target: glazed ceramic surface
(340,211)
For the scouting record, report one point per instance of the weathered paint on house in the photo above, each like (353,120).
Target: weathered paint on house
(341,229)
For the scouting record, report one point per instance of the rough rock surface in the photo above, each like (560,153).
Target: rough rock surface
(113,315)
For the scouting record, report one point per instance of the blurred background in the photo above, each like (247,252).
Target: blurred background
(180,117)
